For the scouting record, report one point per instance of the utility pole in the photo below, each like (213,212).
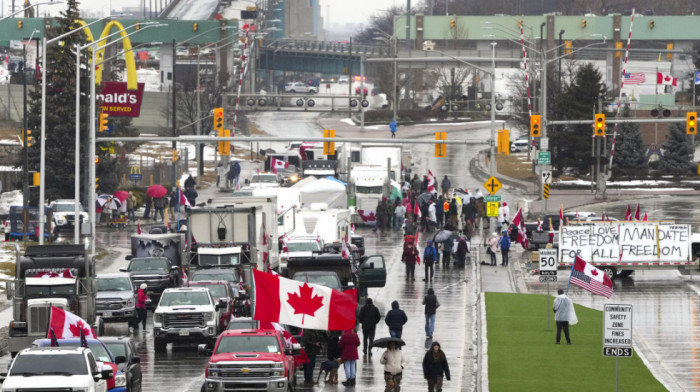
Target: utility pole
(173,171)
(408,25)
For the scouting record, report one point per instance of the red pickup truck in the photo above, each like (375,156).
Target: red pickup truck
(244,360)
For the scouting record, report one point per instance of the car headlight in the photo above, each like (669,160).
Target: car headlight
(158,318)
(209,316)
(278,369)
(120,380)
(129,302)
(213,370)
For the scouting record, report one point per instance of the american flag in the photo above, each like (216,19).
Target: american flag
(634,78)
(590,278)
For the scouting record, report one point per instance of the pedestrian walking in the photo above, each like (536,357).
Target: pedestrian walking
(392,127)
(174,202)
(149,203)
(429,257)
(486,229)
(480,208)
(410,257)
(191,195)
(381,216)
(159,204)
(431,305)
(432,218)
(469,210)
(189,182)
(141,298)
(564,315)
(504,244)
(409,227)
(393,362)
(131,207)
(399,216)
(492,247)
(435,368)
(503,216)
(447,251)
(395,319)
(454,213)
(349,343)
(445,185)
(469,228)
(312,347)
(462,250)
(424,184)
(440,212)
(416,184)
(369,317)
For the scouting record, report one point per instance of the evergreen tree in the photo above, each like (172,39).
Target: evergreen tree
(571,145)
(630,157)
(678,152)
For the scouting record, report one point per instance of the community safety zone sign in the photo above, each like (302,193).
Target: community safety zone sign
(626,242)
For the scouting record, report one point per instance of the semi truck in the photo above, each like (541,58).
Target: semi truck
(368,184)
(50,275)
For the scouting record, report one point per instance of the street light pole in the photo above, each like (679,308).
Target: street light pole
(492,160)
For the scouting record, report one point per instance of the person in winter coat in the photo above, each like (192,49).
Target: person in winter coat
(395,319)
(410,257)
(312,347)
(393,362)
(409,208)
(480,209)
(424,184)
(445,185)
(429,258)
(189,182)
(435,368)
(381,216)
(503,216)
(469,210)
(416,184)
(191,195)
(159,205)
(131,207)
(174,201)
(432,217)
(149,204)
(447,251)
(486,229)
(409,227)
(462,250)
(454,213)
(369,317)
(504,244)
(141,298)
(562,315)
(349,343)
(493,247)
(399,216)
(431,304)
(440,212)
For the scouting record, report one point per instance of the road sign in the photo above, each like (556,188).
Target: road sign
(492,185)
(492,198)
(545,191)
(548,261)
(548,278)
(492,209)
(546,177)
(544,158)
(617,330)
(135,177)
(544,143)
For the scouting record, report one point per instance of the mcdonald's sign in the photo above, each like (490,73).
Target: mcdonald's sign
(118,99)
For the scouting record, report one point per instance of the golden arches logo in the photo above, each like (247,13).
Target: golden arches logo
(131,82)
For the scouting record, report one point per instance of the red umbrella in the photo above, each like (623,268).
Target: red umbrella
(121,195)
(156,191)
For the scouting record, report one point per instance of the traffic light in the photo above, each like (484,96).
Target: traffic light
(599,124)
(97,160)
(103,122)
(225,147)
(138,26)
(219,121)
(520,24)
(583,23)
(691,123)
(535,125)
(19,24)
(97,182)
(27,138)
(329,147)
(36,178)
(452,23)
(567,47)
(440,148)
(176,156)
(651,24)
(195,26)
(669,47)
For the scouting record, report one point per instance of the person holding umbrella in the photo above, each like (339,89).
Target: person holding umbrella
(393,362)
(435,368)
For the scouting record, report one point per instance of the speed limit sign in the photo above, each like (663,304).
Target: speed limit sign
(548,263)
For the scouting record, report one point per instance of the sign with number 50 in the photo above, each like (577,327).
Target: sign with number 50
(548,261)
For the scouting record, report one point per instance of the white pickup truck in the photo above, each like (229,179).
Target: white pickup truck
(56,369)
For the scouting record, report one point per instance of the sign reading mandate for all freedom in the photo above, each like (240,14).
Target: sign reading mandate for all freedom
(625,242)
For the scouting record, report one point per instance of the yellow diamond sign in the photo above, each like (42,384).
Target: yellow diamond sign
(492,185)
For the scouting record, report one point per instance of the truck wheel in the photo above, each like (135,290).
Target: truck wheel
(204,388)
(624,274)
(610,271)
(290,388)
(160,345)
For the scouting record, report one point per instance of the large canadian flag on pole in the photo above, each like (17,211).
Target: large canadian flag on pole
(665,79)
(278,164)
(65,324)
(302,304)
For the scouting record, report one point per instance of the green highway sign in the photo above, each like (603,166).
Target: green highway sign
(492,198)
(544,158)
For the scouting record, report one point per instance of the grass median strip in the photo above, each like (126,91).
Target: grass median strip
(523,355)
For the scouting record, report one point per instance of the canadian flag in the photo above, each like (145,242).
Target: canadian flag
(628,213)
(431,181)
(539,225)
(278,164)
(636,212)
(47,274)
(561,217)
(302,304)
(65,325)
(519,222)
(300,359)
(344,251)
(665,79)
(645,217)
(416,210)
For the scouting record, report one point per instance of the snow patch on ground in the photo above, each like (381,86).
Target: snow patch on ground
(348,121)
(618,183)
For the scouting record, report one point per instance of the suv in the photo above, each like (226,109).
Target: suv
(50,368)
(220,292)
(265,180)
(115,297)
(520,144)
(251,359)
(157,272)
(131,367)
(186,314)
(298,87)
(64,214)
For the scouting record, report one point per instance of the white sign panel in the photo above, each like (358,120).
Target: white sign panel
(623,243)
(617,325)
(548,261)
(546,177)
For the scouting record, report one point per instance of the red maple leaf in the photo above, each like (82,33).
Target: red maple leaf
(75,329)
(304,303)
(367,217)
(594,272)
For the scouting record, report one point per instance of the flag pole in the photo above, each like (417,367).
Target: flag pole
(570,275)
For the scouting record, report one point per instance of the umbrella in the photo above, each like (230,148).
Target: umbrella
(121,195)
(107,201)
(156,191)
(384,342)
(424,198)
(442,236)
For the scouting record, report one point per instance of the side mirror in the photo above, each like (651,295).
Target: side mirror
(123,269)
(129,257)
(136,359)
(296,348)
(223,302)
(3,376)
(120,359)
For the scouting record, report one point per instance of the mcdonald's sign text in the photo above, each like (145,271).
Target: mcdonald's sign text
(116,100)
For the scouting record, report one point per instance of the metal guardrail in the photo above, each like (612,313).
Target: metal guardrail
(331,47)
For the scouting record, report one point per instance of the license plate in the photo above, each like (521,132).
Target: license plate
(106,314)
(184,332)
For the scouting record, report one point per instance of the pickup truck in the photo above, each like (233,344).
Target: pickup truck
(159,273)
(186,314)
(56,368)
(244,360)
(115,297)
